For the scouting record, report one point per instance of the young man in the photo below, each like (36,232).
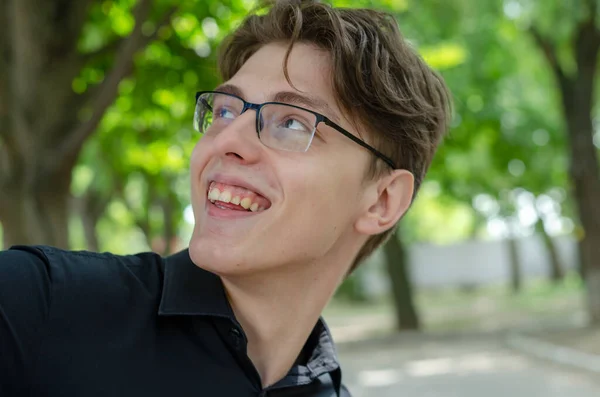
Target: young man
(312,150)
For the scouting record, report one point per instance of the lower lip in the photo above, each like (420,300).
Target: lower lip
(221,213)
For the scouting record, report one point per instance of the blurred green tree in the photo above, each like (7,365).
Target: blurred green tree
(98,102)
(504,142)
(569,38)
(60,70)
(123,71)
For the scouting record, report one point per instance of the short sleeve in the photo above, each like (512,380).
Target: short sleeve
(25,289)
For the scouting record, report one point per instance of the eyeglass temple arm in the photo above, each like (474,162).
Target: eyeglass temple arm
(376,152)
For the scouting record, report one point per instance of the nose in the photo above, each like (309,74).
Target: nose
(238,140)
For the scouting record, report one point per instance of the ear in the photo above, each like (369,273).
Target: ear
(388,200)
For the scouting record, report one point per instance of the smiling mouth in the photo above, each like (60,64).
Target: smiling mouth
(236,198)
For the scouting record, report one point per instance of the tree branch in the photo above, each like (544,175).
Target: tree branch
(5,54)
(549,51)
(108,89)
(38,54)
(109,48)
(28,36)
(142,220)
(4,66)
(3,166)
(75,20)
(4,112)
(586,43)
(593,8)
(8,144)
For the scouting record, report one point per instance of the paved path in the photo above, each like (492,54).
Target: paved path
(473,366)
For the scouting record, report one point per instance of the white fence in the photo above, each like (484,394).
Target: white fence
(471,263)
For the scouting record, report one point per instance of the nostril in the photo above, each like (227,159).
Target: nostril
(235,155)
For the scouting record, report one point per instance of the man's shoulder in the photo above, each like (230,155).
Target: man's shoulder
(78,261)
(22,255)
(81,272)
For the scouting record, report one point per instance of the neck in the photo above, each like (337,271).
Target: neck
(278,310)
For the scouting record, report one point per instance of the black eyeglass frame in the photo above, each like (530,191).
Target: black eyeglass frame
(319,119)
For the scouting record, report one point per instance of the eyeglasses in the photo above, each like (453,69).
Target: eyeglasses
(279,125)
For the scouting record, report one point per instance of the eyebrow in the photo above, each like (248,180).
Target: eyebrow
(288,97)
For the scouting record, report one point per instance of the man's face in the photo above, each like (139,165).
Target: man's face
(306,202)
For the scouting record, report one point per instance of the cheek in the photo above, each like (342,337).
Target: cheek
(197,163)
(326,201)
(198,155)
(198,160)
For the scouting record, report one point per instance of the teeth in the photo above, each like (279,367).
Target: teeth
(225,196)
(214,194)
(245,203)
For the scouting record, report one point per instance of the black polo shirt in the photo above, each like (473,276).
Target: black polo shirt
(87,324)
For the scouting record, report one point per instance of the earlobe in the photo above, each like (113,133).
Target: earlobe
(393,197)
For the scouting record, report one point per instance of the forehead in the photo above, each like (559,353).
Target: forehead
(309,69)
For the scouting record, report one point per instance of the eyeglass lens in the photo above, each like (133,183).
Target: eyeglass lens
(280,126)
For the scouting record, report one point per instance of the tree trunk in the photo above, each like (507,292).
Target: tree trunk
(397,266)
(90,208)
(91,235)
(515,265)
(36,217)
(584,172)
(580,262)
(41,129)
(577,96)
(555,273)
(593,294)
(586,181)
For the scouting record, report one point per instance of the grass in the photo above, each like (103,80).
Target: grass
(586,340)
(489,308)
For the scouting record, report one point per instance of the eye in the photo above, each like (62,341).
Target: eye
(223,113)
(293,124)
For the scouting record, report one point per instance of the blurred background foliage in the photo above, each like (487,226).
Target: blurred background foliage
(114,98)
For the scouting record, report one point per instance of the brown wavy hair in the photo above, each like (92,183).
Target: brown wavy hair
(379,80)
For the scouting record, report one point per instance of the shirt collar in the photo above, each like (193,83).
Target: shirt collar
(191,290)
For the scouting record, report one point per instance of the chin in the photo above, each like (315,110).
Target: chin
(217,258)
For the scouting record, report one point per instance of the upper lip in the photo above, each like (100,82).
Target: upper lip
(236,181)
